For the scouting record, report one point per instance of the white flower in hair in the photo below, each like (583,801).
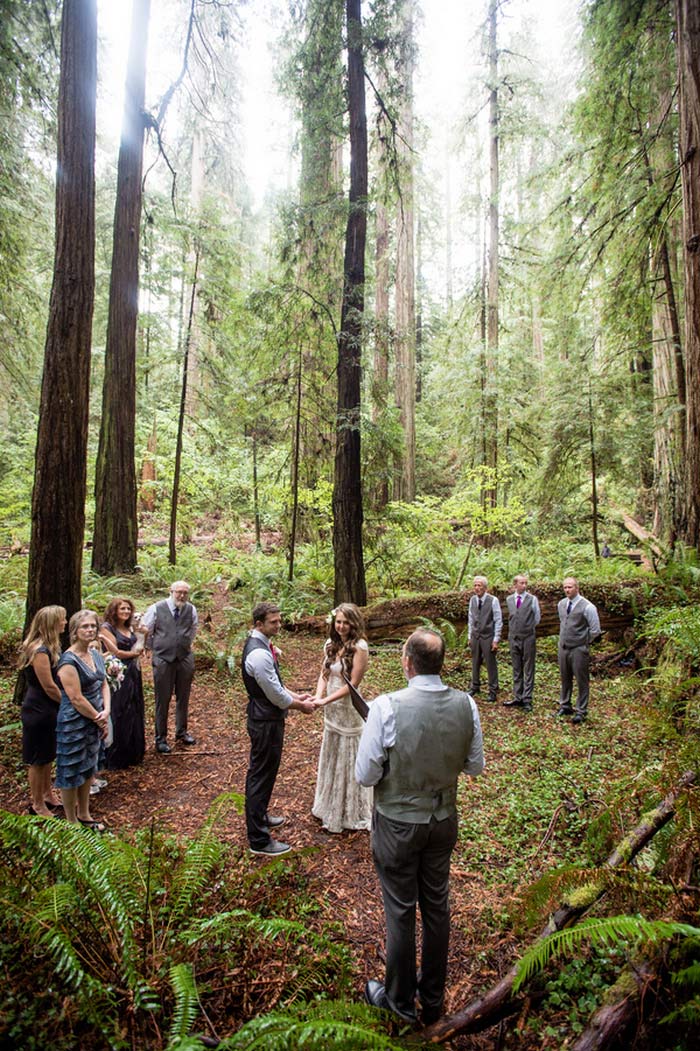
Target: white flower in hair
(331,616)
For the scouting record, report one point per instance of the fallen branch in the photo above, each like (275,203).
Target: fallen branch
(499,1002)
(610,1021)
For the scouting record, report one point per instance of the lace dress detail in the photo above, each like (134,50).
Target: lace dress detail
(340,802)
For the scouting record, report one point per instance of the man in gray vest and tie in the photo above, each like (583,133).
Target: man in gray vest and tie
(485,623)
(414,746)
(579,626)
(523,618)
(172,626)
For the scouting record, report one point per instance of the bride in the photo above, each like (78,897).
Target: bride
(340,802)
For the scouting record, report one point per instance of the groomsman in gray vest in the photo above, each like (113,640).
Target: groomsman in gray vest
(579,626)
(523,618)
(415,744)
(172,626)
(485,623)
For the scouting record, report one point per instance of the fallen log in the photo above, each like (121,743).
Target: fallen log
(397,618)
(500,1002)
(623,1009)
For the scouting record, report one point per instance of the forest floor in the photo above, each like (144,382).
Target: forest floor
(536,806)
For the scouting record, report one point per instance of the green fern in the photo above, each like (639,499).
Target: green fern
(202,856)
(608,931)
(314,1027)
(186,1003)
(571,881)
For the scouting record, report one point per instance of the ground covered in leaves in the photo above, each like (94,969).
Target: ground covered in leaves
(551,794)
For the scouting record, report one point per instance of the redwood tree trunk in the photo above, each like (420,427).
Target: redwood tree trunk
(405,479)
(350,583)
(490,399)
(58,497)
(116,524)
(688,20)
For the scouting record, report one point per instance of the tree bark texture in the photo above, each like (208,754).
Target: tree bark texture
(350,585)
(405,376)
(688,49)
(58,497)
(499,1002)
(116,523)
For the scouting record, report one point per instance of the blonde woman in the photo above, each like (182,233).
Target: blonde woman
(340,802)
(83,718)
(39,657)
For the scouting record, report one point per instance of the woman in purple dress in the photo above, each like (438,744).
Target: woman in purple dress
(38,659)
(123,638)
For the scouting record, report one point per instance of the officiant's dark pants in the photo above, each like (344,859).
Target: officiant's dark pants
(413,865)
(266,741)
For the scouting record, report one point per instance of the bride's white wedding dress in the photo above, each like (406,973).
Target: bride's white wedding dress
(340,802)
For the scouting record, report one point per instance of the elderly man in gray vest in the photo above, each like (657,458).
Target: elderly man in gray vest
(523,617)
(484,626)
(414,746)
(579,626)
(172,626)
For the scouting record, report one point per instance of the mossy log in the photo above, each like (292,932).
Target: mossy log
(623,1008)
(397,618)
(499,1002)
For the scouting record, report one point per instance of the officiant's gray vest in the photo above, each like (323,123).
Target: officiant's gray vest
(434,730)
(172,639)
(482,619)
(575,630)
(521,622)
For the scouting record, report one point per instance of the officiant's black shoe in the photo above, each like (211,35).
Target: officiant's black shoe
(187,739)
(274,822)
(513,704)
(578,718)
(375,996)
(430,1015)
(163,747)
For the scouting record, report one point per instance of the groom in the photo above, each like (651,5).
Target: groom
(268,704)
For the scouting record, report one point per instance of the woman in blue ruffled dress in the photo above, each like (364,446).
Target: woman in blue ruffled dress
(83,718)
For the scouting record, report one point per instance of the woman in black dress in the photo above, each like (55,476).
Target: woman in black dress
(38,658)
(123,638)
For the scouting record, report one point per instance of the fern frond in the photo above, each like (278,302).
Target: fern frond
(566,883)
(186,1003)
(689,976)
(608,931)
(202,855)
(351,1027)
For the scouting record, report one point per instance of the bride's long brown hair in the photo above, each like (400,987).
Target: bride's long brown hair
(335,644)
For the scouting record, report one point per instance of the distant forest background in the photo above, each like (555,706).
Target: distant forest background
(469,331)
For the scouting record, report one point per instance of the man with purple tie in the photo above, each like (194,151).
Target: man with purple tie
(523,618)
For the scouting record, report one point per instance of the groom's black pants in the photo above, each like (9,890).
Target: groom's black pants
(266,741)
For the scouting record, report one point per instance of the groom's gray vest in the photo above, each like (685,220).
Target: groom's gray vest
(172,639)
(434,730)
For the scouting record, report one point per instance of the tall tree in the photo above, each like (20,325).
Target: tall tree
(58,498)
(490,405)
(688,45)
(350,585)
(405,376)
(116,524)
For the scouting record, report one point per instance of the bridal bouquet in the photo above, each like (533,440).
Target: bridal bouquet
(115,670)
